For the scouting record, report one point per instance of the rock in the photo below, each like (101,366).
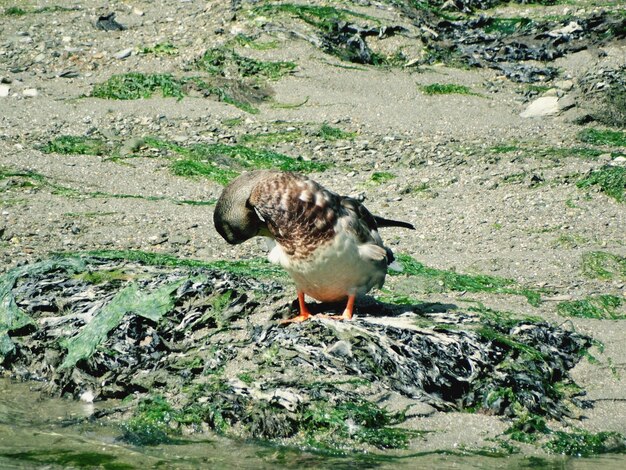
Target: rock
(340,348)
(566,102)
(124,53)
(619,161)
(179,240)
(107,23)
(544,106)
(68,74)
(572,27)
(4,91)
(565,85)
(30,92)
(157,239)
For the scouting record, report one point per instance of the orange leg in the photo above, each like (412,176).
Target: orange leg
(304,311)
(347,313)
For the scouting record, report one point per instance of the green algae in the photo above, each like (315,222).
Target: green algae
(581,443)
(599,307)
(610,180)
(444,280)
(222,163)
(217,60)
(603,265)
(150,305)
(76,145)
(603,137)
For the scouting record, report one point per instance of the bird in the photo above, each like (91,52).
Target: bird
(329,244)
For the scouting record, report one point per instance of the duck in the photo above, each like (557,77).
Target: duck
(329,244)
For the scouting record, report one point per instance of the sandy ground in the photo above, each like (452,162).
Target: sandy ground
(472,218)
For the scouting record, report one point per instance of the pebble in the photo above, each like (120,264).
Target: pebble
(157,239)
(124,53)
(4,91)
(87,396)
(30,92)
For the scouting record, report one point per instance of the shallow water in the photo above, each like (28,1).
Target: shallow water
(35,432)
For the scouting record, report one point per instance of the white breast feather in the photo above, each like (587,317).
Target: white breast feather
(336,269)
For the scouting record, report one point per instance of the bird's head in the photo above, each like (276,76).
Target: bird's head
(235,219)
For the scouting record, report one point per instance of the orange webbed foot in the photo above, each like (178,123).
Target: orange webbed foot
(304,312)
(347,313)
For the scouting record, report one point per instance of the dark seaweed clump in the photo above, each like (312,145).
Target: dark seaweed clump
(194,347)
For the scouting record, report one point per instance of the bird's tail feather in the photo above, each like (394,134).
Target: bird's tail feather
(382,222)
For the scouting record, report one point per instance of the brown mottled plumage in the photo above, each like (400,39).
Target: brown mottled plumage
(328,243)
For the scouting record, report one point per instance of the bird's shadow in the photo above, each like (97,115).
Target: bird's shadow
(368,306)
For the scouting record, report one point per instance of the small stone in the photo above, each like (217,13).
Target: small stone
(4,91)
(179,240)
(30,92)
(123,54)
(341,349)
(157,239)
(566,102)
(87,396)
(565,85)
(544,106)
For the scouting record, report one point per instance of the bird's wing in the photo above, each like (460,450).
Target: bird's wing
(299,213)
(363,225)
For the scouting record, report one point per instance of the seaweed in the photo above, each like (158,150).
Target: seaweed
(166,333)
(438,279)
(610,180)
(222,163)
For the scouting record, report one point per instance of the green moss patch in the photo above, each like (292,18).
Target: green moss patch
(19,11)
(255,267)
(76,145)
(164,48)
(600,307)
(604,265)
(253,43)
(154,422)
(227,62)
(446,89)
(272,138)
(506,26)
(603,137)
(437,280)
(221,163)
(136,85)
(380,177)
(582,443)
(610,180)
(327,132)
(326,425)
